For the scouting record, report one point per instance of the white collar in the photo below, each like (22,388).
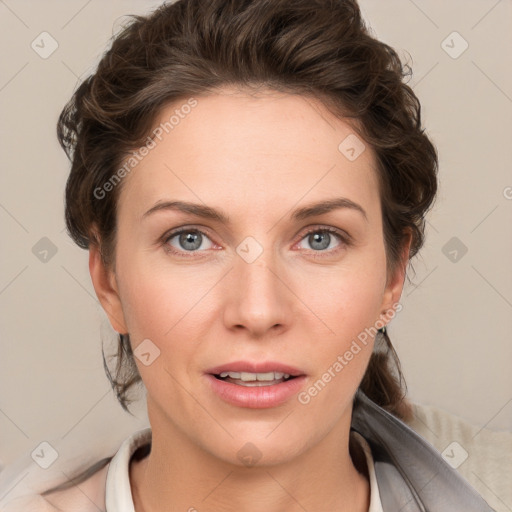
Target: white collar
(375,502)
(118,495)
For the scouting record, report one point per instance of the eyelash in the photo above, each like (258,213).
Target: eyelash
(344,239)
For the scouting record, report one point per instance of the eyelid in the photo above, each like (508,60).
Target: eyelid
(329,229)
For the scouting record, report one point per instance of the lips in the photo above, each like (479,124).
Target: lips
(255,385)
(256,367)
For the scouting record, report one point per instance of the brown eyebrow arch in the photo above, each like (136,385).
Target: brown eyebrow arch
(305,212)
(327,206)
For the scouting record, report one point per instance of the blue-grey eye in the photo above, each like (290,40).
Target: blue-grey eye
(319,240)
(188,240)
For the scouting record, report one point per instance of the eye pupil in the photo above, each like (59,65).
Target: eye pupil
(323,238)
(189,240)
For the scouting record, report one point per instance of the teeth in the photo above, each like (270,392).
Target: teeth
(248,377)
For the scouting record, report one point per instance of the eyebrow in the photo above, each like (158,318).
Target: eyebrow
(207,212)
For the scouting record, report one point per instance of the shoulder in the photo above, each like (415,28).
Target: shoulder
(481,455)
(74,485)
(87,496)
(472,444)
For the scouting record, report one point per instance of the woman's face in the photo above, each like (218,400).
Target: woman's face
(255,283)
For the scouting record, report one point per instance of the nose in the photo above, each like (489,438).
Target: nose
(258,300)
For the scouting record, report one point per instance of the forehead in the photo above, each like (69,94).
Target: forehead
(235,148)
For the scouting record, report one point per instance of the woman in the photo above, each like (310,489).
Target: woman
(251,179)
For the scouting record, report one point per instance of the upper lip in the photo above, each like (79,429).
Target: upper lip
(255,367)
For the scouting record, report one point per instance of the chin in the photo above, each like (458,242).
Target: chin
(260,449)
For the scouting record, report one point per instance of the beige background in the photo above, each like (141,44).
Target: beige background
(454,333)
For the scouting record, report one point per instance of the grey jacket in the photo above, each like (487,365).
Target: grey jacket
(412,475)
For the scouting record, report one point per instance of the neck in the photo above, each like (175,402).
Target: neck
(178,475)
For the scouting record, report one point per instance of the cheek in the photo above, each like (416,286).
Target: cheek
(352,307)
(348,298)
(348,306)
(144,296)
(348,311)
(155,310)
(165,305)
(347,303)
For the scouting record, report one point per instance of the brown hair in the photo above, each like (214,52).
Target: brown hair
(316,48)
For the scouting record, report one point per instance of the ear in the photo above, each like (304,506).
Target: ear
(103,280)
(395,281)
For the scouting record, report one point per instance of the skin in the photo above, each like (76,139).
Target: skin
(257,158)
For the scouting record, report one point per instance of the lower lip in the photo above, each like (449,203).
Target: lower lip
(256,397)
